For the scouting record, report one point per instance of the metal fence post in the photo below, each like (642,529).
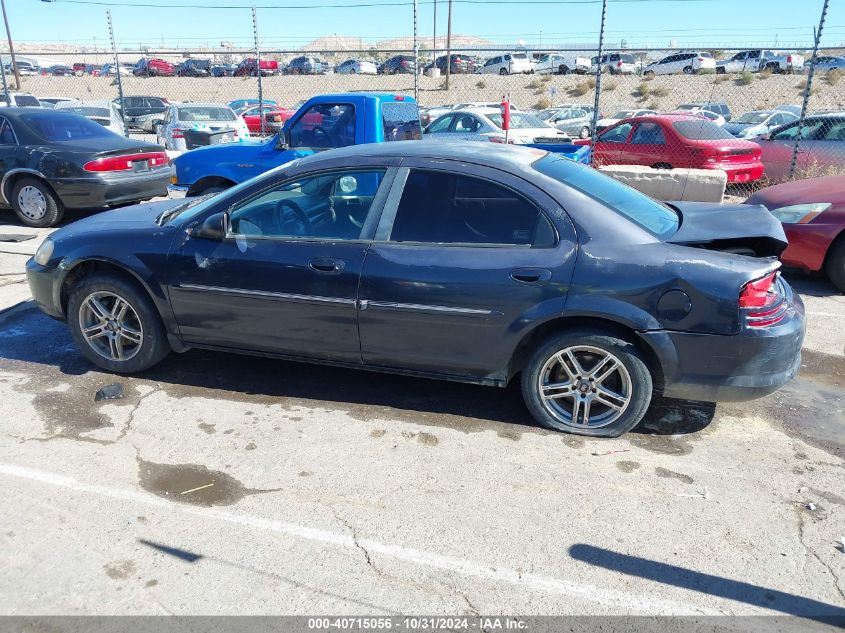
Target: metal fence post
(597,99)
(5,85)
(258,70)
(117,74)
(416,58)
(807,89)
(448,46)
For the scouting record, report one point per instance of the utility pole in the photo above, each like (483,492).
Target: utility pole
(807,90)
(11,47)
(598,78)
(117,75)
(5,86)
(434,34)
(258,70)
(448,46)
(416,58)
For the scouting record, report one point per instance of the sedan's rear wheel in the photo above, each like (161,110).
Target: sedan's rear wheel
(35,204)
(115,324)
(587,383)
(503,71)
(584,132)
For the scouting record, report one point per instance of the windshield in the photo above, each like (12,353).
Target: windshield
(57,127)
(702,130)
(659,220)
(752,118)
(206,114)
(519,121)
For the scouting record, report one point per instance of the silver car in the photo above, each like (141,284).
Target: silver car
(573,121)
(103,112)
(828,63)
(485,124)
(821,148)
(199,117)
(357,67)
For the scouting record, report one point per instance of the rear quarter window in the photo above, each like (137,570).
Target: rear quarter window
(401,121)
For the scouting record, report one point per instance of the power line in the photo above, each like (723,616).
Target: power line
(363,5)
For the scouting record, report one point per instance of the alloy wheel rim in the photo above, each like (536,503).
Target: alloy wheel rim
(583,386)
(111,326)
(32,202)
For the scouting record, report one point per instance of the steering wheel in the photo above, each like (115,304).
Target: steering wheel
(291,219)
(319,131)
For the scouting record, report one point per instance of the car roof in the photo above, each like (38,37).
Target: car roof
(508,157)
(191,104)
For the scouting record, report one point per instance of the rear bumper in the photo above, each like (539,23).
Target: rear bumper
(716,368)
(101,192)
(742,172)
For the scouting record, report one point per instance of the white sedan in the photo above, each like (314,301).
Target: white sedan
(182,118)
(357,67)
(485,124)
(606,122)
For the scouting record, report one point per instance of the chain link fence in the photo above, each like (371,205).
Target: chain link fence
(741,116)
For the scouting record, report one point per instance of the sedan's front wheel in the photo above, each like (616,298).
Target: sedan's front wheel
(115,324)
(587,383)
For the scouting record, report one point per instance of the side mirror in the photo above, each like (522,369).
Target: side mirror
(215,227)
(766,137)
(158,122)
(282,141)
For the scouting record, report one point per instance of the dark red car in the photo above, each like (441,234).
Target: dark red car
(813,216)
(678,140)
(154,68)
(274,117)
(249,67)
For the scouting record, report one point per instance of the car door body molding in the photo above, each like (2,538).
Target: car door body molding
(264,294)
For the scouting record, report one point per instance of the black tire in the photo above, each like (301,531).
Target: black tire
(834,264)
(563,69)
(53,213)
(687,70)
(503,71)
(154,346)
(648,73)
(661,166)
(584,132)
(639,385)
(720,70)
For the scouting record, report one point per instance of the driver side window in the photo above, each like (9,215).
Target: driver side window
(324,126)
(329,206)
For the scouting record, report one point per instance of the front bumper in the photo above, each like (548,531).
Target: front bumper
(716,368)
(106,191)
(44,289)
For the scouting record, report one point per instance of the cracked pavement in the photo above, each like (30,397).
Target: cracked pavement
(238,485)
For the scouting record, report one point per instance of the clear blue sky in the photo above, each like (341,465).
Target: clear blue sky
(653,23)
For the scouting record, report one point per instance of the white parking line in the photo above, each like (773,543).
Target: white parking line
(624,600)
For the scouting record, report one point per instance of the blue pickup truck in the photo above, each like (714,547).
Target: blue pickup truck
(323,122)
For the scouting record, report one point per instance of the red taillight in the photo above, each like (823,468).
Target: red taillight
(496,139)
(124,163)
(760,293)
(619,65)
(789,59)
(701,59)
(177,133)
(398,97)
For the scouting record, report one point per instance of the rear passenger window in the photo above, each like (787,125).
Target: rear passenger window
(401,121)
(443,208)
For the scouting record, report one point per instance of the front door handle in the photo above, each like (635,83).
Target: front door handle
(537,276)
(327,265)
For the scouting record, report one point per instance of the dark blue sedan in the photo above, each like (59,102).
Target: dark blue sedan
(454,261)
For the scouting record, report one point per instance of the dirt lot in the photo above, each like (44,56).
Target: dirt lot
(225,484)
(664,92)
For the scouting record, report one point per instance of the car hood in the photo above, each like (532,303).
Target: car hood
(138,216)
(825,189)
(224,152)
(723,227)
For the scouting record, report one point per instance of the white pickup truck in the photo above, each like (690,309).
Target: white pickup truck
(761,59)
(562,64)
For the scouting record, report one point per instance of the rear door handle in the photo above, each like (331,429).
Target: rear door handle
(536,276)
(327,265)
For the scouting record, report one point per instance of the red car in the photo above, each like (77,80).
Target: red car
(274,118)
(813,216)
(678,140)
(249,68)
(154,68)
